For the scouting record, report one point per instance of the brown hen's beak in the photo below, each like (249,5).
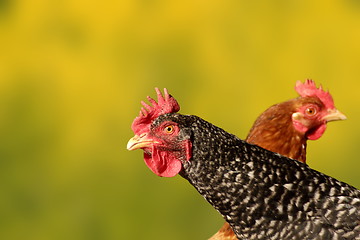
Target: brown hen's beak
(138,142)
(334,115)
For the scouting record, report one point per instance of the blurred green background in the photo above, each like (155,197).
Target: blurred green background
(73,73)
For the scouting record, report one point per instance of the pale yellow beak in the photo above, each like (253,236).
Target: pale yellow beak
(334,115)
(138,142)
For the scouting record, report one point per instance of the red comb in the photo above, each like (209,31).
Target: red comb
(308,89)
(148,113)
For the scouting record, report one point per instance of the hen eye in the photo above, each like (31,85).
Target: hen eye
(169,129)
(310,111)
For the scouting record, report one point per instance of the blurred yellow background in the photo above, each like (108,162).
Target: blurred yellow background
(73,73)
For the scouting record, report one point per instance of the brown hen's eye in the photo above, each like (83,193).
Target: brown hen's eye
(169,129)
(310,111)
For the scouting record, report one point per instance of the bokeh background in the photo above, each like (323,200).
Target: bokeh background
(72,74)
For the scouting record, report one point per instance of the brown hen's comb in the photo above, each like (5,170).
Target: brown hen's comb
(308,89)
(148,113)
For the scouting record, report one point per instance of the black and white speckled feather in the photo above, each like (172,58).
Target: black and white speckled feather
(264,195)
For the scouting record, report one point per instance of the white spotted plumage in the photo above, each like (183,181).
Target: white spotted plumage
(263,195)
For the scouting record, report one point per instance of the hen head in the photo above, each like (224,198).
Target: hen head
(160,134)
(314,108)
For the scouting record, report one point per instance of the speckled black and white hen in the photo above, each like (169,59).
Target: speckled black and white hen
(261,194)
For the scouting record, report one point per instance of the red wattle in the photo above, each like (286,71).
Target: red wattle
(162,163)
(317,133)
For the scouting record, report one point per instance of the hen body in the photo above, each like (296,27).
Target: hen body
(263,195)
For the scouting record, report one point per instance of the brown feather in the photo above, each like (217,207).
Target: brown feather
(274,131)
